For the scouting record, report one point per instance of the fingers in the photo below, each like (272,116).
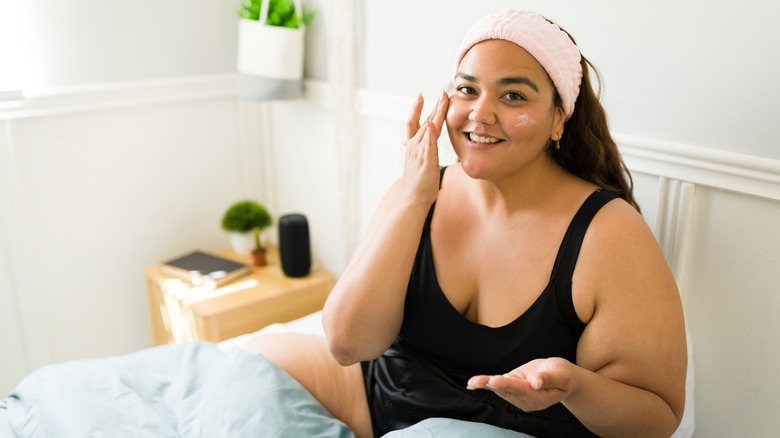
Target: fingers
(437,115)
(508,381)
(536,375)
(432,145)
(494,383)
(416,146)
(413,125)
(423,146)
(478,382)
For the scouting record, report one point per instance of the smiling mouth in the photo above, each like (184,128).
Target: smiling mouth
(478,139)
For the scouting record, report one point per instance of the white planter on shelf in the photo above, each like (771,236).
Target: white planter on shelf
(242,243)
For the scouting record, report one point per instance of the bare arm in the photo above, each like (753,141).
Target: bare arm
(364,311)
(629,379)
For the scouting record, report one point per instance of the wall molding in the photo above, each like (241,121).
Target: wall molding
(97,97)
(748,174)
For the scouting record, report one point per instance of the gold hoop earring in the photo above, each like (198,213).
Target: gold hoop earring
(558,144)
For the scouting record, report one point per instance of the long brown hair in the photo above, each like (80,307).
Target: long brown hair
(587,148)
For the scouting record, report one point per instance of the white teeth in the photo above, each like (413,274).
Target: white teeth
(482,140)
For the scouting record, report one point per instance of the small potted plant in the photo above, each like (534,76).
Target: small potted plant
(280,13)
(245,221)
(270,49)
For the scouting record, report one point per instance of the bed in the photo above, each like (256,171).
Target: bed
(194,389)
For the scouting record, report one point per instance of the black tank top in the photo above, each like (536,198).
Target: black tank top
(424,373)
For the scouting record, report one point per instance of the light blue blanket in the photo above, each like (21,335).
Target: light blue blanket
(188,390)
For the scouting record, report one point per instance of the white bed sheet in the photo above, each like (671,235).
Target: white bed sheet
(309,324)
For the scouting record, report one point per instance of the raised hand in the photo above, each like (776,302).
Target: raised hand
(421,164)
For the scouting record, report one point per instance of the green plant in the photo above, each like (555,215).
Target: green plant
(280,13)
(245,216)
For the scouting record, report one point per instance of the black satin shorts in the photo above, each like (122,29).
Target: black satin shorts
(404,388)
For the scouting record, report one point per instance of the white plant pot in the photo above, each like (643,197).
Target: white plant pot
(242,243)
(270,59)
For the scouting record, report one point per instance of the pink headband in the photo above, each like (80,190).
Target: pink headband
(545,41)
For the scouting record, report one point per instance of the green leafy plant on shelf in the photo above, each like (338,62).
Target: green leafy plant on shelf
(248,216)
(280,13)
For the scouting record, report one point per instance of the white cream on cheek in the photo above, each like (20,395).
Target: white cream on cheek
(524,120)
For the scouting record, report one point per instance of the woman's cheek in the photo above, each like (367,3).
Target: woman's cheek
(454,122)
(455,112)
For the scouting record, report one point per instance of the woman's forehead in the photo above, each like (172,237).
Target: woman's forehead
(501,61)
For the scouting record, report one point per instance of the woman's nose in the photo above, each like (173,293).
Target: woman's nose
(482,112)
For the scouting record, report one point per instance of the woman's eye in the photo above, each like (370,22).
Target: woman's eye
(514,96)
(465,89)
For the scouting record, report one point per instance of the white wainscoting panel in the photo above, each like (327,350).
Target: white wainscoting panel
(12,345)
(23,341)
(731,296)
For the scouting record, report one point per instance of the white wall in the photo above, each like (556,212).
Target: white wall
(82,42)
(92,41)
(100,174)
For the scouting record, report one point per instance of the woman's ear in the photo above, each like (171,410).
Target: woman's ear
(559,119)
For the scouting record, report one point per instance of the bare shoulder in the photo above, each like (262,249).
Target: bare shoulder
(619,246)
(619,219)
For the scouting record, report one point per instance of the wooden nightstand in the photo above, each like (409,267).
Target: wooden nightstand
(181,312)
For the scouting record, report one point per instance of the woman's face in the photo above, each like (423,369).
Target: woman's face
(501,115)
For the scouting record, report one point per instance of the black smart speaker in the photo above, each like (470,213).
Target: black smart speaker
(294,247)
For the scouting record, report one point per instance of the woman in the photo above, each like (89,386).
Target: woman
(519,287)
